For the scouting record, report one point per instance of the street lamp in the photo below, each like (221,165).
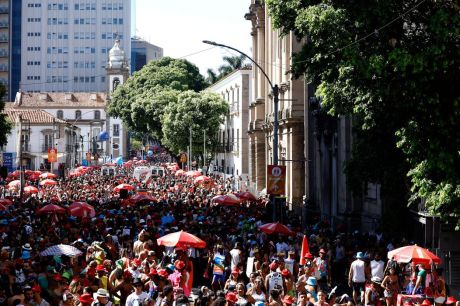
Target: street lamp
(275,91)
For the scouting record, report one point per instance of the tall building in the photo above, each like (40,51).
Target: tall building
(4,42)
(65,44)
(232,156)
(143,52)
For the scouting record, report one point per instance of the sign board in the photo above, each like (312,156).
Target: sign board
(276,179)
(52,155)
(8,161)
(183,158)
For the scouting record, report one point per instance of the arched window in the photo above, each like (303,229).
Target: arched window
(115,83)
(97,115)
(78,114)
(60,114)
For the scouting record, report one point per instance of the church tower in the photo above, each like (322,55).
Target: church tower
(117,70)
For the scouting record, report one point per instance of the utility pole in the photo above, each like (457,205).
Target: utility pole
(204,148)
(190,146)
(19,159)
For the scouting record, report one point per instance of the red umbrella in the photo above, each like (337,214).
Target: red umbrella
(34,176)
(141,198)
(276,228)
(51,209)
(81,210)
(202,179)
(48,182)
(31,189)
(48,175)
(110,164)
(15,173)
(246,196)
(181,239)
(3,207)
(415,254)
(226,199)
(14,184)
(5,202)
(123,186)
(179,172)
(193,173)
(28,172)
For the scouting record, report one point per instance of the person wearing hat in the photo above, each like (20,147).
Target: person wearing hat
(134,268)
(323,270)
(233,279)
(138,297)
(371,296)
(86,299)
(357,276)
(274,278)
(288,282)
(102,276)
(101,297)
(311,286)
(231,299)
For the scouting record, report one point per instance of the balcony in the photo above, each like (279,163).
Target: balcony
(3,53)
(3,67)
(25,147)
(4,24)
(4,9)
(4,39)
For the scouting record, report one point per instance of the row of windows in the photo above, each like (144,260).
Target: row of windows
(33,77)
(34,20)
(97,115)
(84,50)
(57,79)
(84,35)
(110,35)
(57,50)
(84,64)
(84,79)
(87,6)
(58,21)
(112,20)
(57,64)
(85,21)
(29,34)
(112,6)
(59,35)
(33,63)
(58,6)
(34,48)
(34,5)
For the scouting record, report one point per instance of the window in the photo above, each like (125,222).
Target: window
(116,130)
(97,115)
(78,114)
(60,114)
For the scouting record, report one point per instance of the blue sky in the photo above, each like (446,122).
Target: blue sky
(179,26)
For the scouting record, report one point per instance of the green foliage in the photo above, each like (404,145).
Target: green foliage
(399,82)
(231,64)
(5,124)
(141,101)
(202,111)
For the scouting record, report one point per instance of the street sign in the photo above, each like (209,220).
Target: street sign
(52,155)
(183,158)
(276,179)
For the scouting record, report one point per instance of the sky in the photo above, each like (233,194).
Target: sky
(180,26)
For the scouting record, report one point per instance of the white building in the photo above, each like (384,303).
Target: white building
(40,131)
(232,158)
(65,43)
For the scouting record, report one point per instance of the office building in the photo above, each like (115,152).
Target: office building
(143,52)
(65,44)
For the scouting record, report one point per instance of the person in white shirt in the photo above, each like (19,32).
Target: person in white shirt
(357,276)
(377,267)
(235,253)
(138,297)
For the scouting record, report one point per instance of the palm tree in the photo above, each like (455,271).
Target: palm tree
(212,76)
(232,63)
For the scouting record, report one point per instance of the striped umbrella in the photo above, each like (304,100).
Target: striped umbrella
(61,249)
(31,189)
(48,175)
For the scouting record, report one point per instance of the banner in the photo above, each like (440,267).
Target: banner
(276,179)
(52,155)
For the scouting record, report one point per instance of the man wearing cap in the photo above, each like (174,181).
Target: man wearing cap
(274,278)
(37,298)
(138,297)
(102,276)
(357,276)
(323,273)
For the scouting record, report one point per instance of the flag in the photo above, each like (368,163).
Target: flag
(305,250)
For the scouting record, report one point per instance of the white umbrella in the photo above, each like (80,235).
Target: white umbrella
(61,249)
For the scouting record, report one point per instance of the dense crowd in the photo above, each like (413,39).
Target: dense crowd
(122,264)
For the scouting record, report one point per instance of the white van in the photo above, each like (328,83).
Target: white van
(108,170)
(141,173)
(158,171)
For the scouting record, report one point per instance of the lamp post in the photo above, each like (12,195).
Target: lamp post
(275,91)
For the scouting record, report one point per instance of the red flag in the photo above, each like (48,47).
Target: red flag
(305,250)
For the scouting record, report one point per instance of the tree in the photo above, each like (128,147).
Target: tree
(212,76)
(394,65)
(232,63)
(202,111)
(5,125)
(141,101)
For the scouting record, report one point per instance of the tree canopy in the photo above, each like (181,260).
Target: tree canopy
(5,125)
(394,65)
(197,111)
(141,101)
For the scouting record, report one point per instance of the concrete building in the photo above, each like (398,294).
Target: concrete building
(232,158)
(65,44)
(39,131)
(313,146)
(143,52)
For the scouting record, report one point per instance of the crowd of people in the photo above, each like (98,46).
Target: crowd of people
(121,262)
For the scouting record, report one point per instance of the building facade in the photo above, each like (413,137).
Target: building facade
(33,133)
(143,52)
(65,44)
(232,158)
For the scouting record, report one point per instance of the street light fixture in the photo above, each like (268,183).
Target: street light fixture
(275,91)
